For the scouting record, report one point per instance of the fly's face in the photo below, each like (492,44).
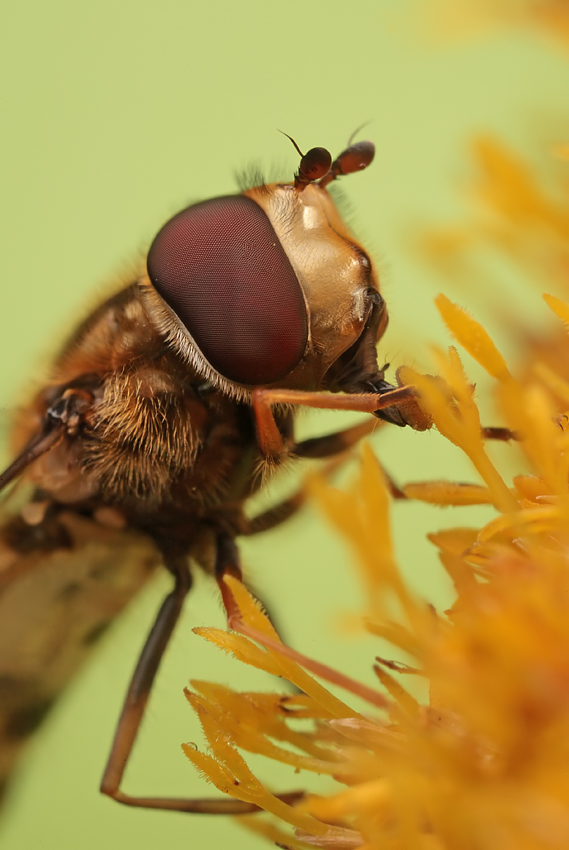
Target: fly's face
(268,288)
(334,273)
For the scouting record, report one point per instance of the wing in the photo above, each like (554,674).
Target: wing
(62,581)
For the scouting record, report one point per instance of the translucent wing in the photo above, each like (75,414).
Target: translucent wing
(61,583)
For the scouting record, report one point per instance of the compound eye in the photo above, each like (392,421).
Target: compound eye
(220,267)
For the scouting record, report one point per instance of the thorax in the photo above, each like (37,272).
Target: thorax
(159,445)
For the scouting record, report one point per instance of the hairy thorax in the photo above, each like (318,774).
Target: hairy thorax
(158,443)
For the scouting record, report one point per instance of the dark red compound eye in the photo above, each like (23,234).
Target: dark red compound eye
(220,267)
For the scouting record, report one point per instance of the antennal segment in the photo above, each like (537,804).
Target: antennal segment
(354,158)
(314,164)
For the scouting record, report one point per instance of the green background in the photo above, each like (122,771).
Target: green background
(114,116)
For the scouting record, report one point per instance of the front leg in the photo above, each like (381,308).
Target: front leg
(63,418)
(270,439)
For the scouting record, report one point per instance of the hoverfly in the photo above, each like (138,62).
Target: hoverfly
(164,413)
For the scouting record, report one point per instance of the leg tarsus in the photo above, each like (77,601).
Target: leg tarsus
(394,489)
(207,806)
(139,689)
(273,517)
(502,434)
(333,444)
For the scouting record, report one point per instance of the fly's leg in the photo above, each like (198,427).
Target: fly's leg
(141,685)
(272,443)
(336,443)
(502,434)
(274,516)
(228,563)
(50,435)
(63,418)
(270,439)
(332,444)
(316,447)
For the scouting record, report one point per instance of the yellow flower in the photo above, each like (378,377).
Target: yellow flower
(484,765)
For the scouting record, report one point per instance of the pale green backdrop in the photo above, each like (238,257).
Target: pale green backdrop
(116,114)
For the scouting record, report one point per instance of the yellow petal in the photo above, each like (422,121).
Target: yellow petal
(472,336)
(241,647)
(448,493)
(560,308)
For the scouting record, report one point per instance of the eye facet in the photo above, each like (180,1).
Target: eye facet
(220,267)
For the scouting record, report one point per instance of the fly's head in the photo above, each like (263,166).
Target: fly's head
(270,288)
